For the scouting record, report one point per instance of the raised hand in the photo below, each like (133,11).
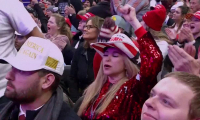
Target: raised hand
(182,61)
(171,33)
(190,49)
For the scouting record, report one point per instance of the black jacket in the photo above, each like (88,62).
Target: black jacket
(74,20)
(77,38)
(102,9)
(197,44)
(66,113)
(41,16)
(81,74)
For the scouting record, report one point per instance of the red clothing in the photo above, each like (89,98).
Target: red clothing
(96,63)
(128,101)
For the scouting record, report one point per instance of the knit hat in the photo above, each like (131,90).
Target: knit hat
(51,8)
(85,17)
(120,22)
(121,42)
(38,53)
(108,29)
(155,18)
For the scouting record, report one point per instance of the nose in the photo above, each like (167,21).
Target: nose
(108,58)
(10,75)
(150,103)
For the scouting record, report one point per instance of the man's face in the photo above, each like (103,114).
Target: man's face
(22,86)
(195,26)
(86,4)
(19,41)
(194,5)
(169,100)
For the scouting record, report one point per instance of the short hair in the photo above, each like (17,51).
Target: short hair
(56,82)
(193,82)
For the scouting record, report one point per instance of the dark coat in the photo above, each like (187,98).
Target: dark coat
(66,113)
(81,74)
(41,16)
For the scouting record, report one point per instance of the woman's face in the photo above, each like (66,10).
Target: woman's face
(177,15)
(52,26)
(81,25)
(113,62)
(167,101)
(90,32)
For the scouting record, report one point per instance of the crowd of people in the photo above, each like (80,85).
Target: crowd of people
(100,60)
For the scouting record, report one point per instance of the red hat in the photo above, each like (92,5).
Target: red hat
(85,17)
(123,43)
(68,22)
(155,18)
(196,14)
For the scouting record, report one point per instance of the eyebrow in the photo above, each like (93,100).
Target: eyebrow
(165,96)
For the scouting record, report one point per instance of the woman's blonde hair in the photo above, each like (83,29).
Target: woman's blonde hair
(160,36)
(92,92)
(97,22)
(64,28)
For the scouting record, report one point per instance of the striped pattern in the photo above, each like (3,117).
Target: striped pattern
(108,33)
(120,41)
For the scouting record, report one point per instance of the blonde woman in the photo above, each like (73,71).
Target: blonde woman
(118,92)
(58,31)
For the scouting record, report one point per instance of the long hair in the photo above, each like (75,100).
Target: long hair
(160,36)
(94,89)
(64,29)
(184,11)
(97,22)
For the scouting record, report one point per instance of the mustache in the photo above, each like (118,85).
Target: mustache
(10,84)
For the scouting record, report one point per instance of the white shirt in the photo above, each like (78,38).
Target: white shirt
(13,17)
(24,113)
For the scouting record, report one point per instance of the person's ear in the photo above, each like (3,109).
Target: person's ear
(48,80)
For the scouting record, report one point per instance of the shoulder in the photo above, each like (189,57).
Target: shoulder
(62,37)
(67,113)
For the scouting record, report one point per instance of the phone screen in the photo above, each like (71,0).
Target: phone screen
(61,7)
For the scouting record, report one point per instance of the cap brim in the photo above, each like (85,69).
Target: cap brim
(80,17)
(20,64)
(124,47)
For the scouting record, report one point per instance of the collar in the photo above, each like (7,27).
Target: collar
(24,113)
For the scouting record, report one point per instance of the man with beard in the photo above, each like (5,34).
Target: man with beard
(13,18)
(33,83)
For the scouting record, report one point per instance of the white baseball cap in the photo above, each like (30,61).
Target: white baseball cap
(38,53)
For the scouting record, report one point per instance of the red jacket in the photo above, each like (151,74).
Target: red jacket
(128,101)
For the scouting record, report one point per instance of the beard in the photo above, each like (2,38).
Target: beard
(23,96)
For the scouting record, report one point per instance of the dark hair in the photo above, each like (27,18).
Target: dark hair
(97,22)
(56,82)
(52,3)
(184,11)
(193,82)
(32,11)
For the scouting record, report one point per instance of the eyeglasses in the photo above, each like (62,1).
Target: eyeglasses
(89,26)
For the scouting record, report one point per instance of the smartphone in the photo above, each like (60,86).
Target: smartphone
(61,7)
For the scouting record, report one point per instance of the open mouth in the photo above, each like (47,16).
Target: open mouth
(107,66)
(192,27)
(48,28)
